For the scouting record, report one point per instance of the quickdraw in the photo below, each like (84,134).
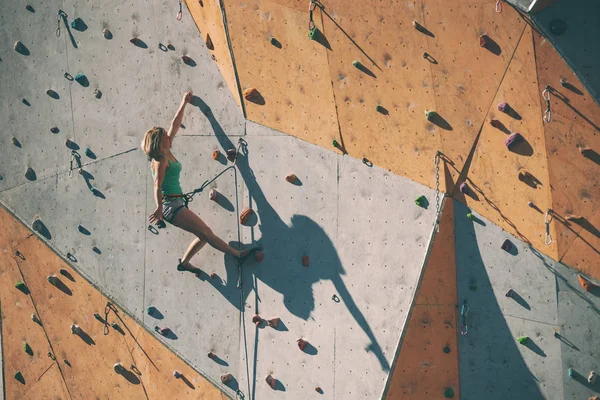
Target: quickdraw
(498,6)
(75,156)
(464,328)
(547,220)
(546,96)
(60,14)
(180,13)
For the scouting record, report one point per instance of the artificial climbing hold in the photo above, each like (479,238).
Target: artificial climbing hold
(291,178)
(54,129)
(448,393)
(250,93)
(225,378)
(213,195)
(273,41)
(162,331)
(357,64)
(211,355)
(75,329)
(471,216)
(19,377)
(38,225)
(213,275)
(417,26)
(302,343)
(106,33)
(496,123)
(312,33)
(509,293)
(319,390)
(53,279)
(507,245)
(150,310)
(586,284)
(35,319)
(421,201)
(380,109)
(573,217)
(19,46)
(305,261)
(592,377)
(430,115)
(81,79)
(464,189)
(98,317)
(484,40)
(531,204)
(503,107)
(231,154)
(97,93)
(29,8)
(186,59)
(209,42)
(513,139)
(335,144)
(21,286)
(119,368)
(216,154)
(523,340)
(257,320)
(15,141)
(30,174)
(246,215)
(259,256)
(446,349)
(571,372)
(27,349)
(177,374)
(270,381)
(273,322)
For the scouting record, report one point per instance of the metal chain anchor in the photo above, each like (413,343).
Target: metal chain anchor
(75,156)
(547,220)
(436,160)
(546,96)
(464,328)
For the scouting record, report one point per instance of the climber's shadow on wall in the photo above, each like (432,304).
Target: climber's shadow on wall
(282,269)
(488,353)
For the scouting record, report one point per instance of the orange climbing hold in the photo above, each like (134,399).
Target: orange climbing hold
(291,178)
(246,215)
(305,261)
(216,154)
(257,320)
(250,93)
(586,284)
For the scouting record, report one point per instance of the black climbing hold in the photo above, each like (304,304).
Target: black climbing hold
(97,93)
(82,80)
(89,153)
(163,47)
(54,130)
(52,94)
(21,49)
(446,349)
(107,33)
(367,162)
(30,174)
(96,250)
(507,245)
(449,393)
(29,8)
(357,64)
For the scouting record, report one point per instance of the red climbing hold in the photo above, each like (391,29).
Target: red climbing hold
(250,93)
(209,42)
(586,284)
(257,320)
(270,381)
(301,343)
(246,215)
(305,261)
(273,322)
(259,256)
(211,355)
(291,178)
(162,331)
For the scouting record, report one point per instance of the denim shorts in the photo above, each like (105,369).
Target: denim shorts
(171,206)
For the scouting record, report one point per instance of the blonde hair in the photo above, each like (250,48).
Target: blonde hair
(151,144)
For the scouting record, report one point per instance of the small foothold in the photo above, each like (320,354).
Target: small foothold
(150,310)
(75,329)
(291,178)
(556,334)
(513,139)
(98,317)
(319,390)
(106,33)
(18,45)
(209,42)
(80,78)
(213,275)
(273,322)
(416,25)
(134,40)
(97,93)
(259,256)
(35,319)
(89,152)
(484,40)
(357,64)
(185,59)
(471,216)
(246,215)
(21,286)
(448,393)
(15,141)
(446,349)
(523,340)
(586,284)
(19,377)
(257,320)
(270,381)
(53,279)
(118,367)
(564,83)
(54,129)
(509,293)
(177,374)
(592,377)
(225,378)
(464,189)
(250,93)
(69,143)
(301,343)
(573,217)
(305,261)
(162,331)
(430,115)
(231,154)
(115,326)
(503,107)
(531,204)
(27,348)
(380,109)
(335,144)
(496,123)
(571,372)
(216,154)
(273,41)
(37,225)
(507,245)
(29,8)
(213,195)
(312,33)
(584,150)
(211,355)
(420,201)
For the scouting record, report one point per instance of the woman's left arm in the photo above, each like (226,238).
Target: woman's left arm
(176,123)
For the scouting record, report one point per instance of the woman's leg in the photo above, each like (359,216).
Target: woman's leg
(190,222)
(194,248)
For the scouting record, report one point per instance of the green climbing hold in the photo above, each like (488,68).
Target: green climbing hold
(523,340)
(430,115)
(357,64)
(471,216)
(312,33)
(27,349)
(19,377)
(420,201)
(380,109)
(21,286)
(449,393)
(335,143)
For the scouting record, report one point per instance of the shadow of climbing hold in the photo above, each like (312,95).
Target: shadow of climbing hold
(499,125)
(382,110)
(475,219)
(79,25)
(217,359)
(41,228)
(76,330)
(429,58)
(189,61)
(54,130)
(437,120)
(16,142)
(19,377)
(422,202)
(518,298)
(571,87)
(587,285)
(318,36)
(367,162)
(518,144)
(359,66)
(222,201)
(27,103)
(446,349)
(422,29)
(52,94)
(29,8)
(253,95)
(107,34)
(55,281)
(83,230)
(138,42)
(590,154)
(489,44)
(117,328)
(67,274)
(90,154)
(527,178)
(275,42)
(154,312)
(166,332)
(22,287)
(30,174)
(21,49)
(82,80)
(127,374)
(248,217)
(508,110)
(71,144)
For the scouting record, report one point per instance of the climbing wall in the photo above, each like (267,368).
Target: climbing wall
(427,363)
(351,301)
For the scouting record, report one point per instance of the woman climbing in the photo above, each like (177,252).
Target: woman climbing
(169,198)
